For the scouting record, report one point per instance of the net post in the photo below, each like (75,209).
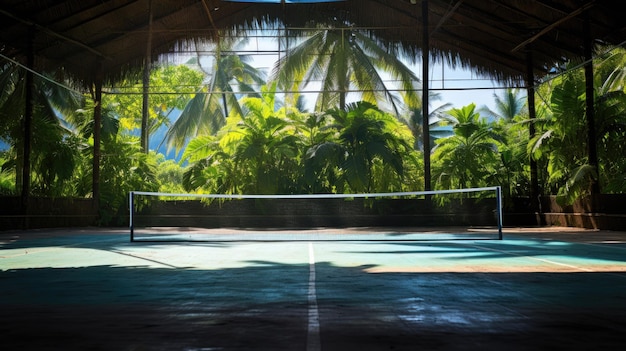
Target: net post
(131,197)
(499,209)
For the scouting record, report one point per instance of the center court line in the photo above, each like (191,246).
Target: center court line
(313,335)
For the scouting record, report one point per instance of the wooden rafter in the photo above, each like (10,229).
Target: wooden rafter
(553,25)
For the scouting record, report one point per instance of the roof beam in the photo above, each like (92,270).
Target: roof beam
(208,13)
(125,34)
(93,13)
(446,16)
(53,33)
(488,24)
(553,25)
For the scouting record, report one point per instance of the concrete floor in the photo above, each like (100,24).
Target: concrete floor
(93,289)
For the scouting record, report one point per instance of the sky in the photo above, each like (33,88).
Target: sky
(464,87)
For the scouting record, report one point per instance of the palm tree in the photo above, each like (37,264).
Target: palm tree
(510,120)
(210,168)
(562,141)
(256,153)
(53,150)
(368,140)
(344,59)
(266,146)
(610,112)
(467,158)
(82,124)
(507,106)
(436,131)
(319,153)
(207,111)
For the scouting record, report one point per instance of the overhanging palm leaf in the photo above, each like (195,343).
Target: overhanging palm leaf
(577,184)
(436,131)
(342,60)
(508,105)
(231,77)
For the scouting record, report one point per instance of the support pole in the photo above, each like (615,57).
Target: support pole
(425,93)
(532,115)
(97,128)
(590,110)
(28,126)
(145,132)
(131,224)
(499,209)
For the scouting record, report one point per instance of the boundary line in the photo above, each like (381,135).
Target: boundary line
(555,263)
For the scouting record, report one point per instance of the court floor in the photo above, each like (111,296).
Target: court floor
(94,289)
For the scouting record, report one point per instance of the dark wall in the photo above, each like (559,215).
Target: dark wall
(46,213)
(606,211)
(600,212)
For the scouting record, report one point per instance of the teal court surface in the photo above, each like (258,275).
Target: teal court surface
(94,289)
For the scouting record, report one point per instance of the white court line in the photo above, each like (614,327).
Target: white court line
(35,250)
(313,336)
(534,258)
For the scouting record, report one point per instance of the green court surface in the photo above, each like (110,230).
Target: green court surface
(94,289)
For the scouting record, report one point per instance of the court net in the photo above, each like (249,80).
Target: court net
(474,213)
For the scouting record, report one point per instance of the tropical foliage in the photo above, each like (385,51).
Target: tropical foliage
(231,76)
(466,159)
(257,144)
(53,147)
(561,145)
(344,59)
(172,87)
(270,150)
(414,120)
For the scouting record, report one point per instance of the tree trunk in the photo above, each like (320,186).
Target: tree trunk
(97,127)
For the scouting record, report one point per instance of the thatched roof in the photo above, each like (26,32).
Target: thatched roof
(492,37)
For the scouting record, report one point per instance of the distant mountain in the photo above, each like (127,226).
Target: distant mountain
(157,139)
